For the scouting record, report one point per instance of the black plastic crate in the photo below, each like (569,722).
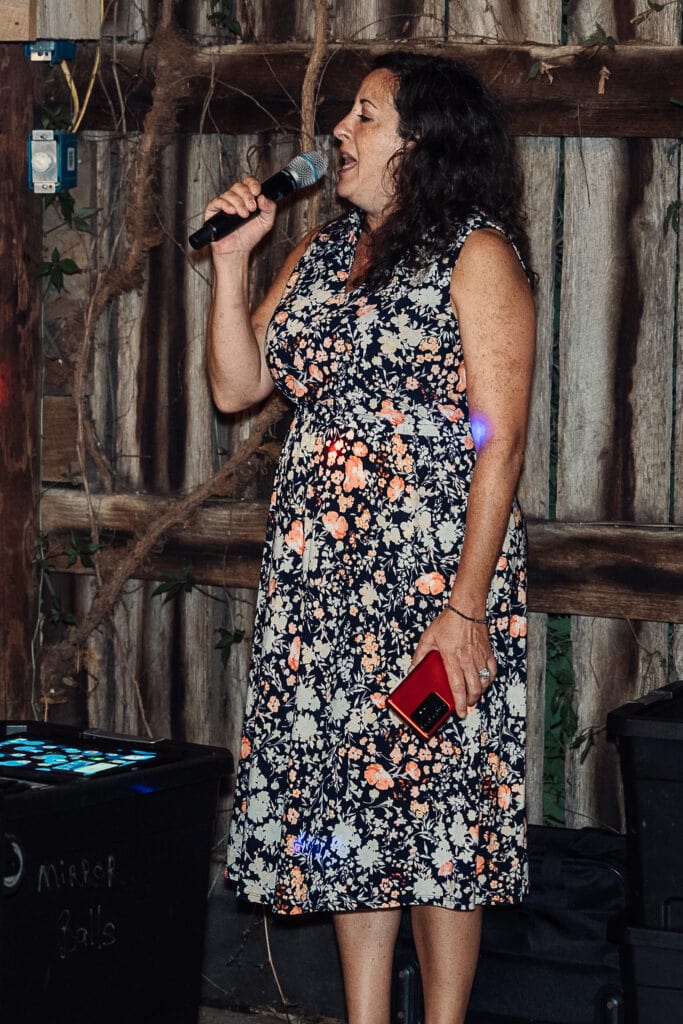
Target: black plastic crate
(104,859)
(649,733)
(653,976)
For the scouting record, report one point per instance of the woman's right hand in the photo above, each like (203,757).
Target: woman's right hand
(244,198)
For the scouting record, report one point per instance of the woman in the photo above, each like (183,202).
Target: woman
(404,335)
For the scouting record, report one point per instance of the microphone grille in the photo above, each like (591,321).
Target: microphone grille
(307,168)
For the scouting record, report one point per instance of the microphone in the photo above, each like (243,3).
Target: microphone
(302,171)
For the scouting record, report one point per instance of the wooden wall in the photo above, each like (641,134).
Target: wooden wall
(597,208)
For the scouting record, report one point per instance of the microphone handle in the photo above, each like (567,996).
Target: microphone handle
(221,224)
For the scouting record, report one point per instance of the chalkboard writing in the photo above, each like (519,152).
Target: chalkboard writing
(81,874)
(90,932)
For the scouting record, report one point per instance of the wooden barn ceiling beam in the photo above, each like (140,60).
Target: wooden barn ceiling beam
(602,569)
(574,91)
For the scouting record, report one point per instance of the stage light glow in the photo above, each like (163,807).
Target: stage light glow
(479,426)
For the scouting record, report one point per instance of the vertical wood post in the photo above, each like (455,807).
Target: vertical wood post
(20,248)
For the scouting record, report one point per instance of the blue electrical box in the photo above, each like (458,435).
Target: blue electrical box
(52,160)
(52,51)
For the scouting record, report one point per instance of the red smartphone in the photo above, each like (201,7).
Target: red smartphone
(424,698)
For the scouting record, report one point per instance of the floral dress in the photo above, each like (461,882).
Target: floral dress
(340,805)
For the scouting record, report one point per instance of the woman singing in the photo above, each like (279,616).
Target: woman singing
(403,334)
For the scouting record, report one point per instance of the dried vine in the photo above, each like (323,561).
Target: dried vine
(114,568)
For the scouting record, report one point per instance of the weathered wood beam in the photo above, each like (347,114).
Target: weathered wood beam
(604,569)
(20,252)
(250,88)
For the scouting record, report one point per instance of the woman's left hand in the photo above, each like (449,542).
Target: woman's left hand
(466,651)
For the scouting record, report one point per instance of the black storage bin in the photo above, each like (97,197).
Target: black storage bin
(649,733)
(104,856)
(653,976)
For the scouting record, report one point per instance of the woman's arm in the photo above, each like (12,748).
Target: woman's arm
(235,357)
(492,299)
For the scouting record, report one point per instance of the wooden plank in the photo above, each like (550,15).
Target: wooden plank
(614,570)
(231,523)
(391,20)
(613,205)
(20,344)
(59,460)
(253,88)
(19,21)
(607,570)
(26,20)
(500,21)
(676,669)
(540,163)
(75,19)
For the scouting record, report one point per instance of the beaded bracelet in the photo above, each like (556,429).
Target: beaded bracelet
(468,618)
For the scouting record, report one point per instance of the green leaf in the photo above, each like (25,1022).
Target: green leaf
(228,638)
(81,551)
(81,218)
(533,70)
(57,615)
(600,38)
(56,269)
(54,117)
(174,585)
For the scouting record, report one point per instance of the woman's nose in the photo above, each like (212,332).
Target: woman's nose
(341,129)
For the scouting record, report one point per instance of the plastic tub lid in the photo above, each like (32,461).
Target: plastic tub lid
(657,715)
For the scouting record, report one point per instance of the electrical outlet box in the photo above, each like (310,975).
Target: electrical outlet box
(53,51)
(52,163)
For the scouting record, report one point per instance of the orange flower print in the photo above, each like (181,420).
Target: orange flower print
(481,865)
(453,413)
(274,703)
(446,869)
(336,524)
(245,749)
(430,583)
(413,770)
(295,386)
(354,475)
(388,412)
(504,797)
(396,488)
(281,316)
(363,310)
(517,625)
(359,449)
(294,653)
(378,777)
(295,537)
(379,700)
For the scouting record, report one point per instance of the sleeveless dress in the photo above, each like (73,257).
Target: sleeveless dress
(339,805)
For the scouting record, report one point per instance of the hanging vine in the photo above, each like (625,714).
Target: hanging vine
(170,55)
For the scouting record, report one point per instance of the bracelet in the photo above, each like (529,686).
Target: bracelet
(468,618)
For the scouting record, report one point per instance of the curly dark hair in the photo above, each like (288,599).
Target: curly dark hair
(460,157)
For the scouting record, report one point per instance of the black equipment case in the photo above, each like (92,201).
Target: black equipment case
(104,857)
